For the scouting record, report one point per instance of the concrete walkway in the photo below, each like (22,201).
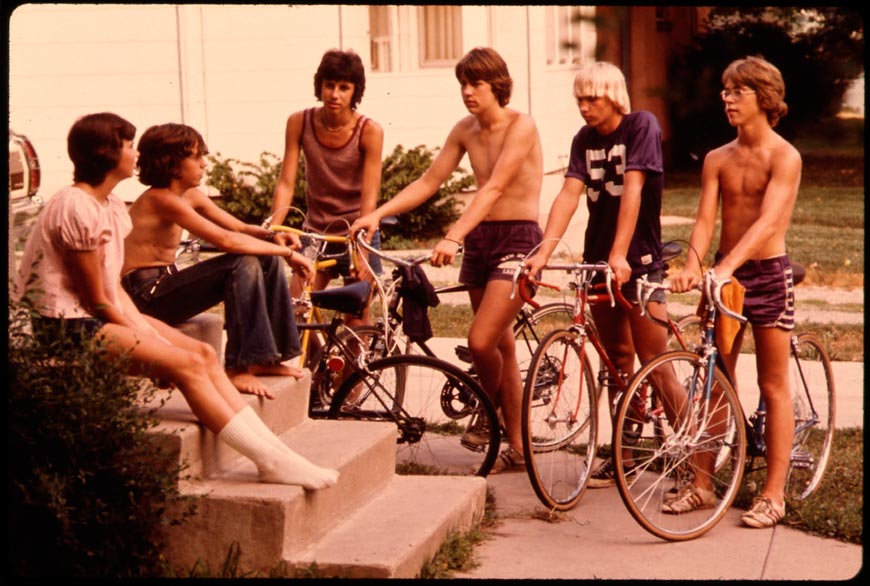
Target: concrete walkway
(599,539)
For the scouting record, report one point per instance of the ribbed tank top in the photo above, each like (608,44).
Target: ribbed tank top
(333,177)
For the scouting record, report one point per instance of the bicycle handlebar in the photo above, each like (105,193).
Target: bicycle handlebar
(579,270)
(402,262)
(332,238)
(711,289)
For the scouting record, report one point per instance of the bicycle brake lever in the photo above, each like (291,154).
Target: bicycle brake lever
(641,293)
(608,278)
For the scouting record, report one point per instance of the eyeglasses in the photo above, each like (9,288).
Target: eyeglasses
(736,93)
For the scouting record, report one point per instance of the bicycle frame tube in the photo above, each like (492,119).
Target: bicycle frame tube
(804,387)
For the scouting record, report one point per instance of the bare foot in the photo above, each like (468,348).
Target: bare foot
(247,383)
(276,370)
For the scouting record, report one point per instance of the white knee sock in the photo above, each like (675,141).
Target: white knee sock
(250,417)
(279,465)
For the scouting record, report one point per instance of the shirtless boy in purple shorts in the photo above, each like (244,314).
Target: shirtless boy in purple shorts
(494,249)
(499,224)
(756,176)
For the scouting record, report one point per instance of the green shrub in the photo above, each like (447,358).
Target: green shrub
(87,486)
(434,216)
(246,188)
(246,191)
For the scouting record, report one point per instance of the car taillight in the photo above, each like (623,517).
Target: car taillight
(35,173)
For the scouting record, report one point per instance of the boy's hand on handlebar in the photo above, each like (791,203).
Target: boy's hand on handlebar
(288,239)
(444,253)
(368,223)
(685,280)
(621,269)
(534,264)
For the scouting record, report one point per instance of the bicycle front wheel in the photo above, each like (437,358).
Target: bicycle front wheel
(669,437)
(559,423)
(445,422)
(812,391)
(329,363)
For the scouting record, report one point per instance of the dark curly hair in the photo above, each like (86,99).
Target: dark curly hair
(94,145)
(162,148)
(760,75)
(341,66)
(485,64)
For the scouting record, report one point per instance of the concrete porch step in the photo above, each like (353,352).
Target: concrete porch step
(398,530)
(373,523)
(200,448)
(270,521)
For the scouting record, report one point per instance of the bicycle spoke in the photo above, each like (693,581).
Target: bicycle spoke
(559,420)
(682,436)
(445,424)
(812,390)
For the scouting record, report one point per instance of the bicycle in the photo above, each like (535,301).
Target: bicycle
(668,450)
(328,366)
(561,393)
(533,321)
(431,401)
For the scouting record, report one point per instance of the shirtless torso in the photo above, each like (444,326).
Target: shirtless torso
(487,146)
(749,179)
(157,238)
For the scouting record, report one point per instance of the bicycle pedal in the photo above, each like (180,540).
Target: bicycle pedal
(473,447)
(463,353)
(802,460)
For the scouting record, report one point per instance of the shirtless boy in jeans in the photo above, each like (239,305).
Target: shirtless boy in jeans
(249,279)
(499,226)
(757,177)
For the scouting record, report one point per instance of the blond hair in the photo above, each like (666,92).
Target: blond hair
(603,80)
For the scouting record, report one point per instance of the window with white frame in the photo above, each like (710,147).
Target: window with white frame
(380,32)
(440,35)
(565,29)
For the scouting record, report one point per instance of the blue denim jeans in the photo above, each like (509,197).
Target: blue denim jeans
(258,309)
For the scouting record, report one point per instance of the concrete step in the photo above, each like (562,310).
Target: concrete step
(271,521)
(371,524)
(398,530)
(200,448)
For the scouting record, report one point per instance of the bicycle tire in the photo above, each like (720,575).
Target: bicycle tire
(664,456)
(559,420)
(811,380)
(434,404)
(326,375)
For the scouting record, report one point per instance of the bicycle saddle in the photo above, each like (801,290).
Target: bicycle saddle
(671,250)
(798,272)
(347,299)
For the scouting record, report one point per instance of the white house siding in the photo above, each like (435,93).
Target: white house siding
(235,72)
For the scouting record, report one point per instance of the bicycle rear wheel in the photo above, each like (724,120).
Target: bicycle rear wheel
(812,390)
(446,424)
(559,422)
(662,443)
